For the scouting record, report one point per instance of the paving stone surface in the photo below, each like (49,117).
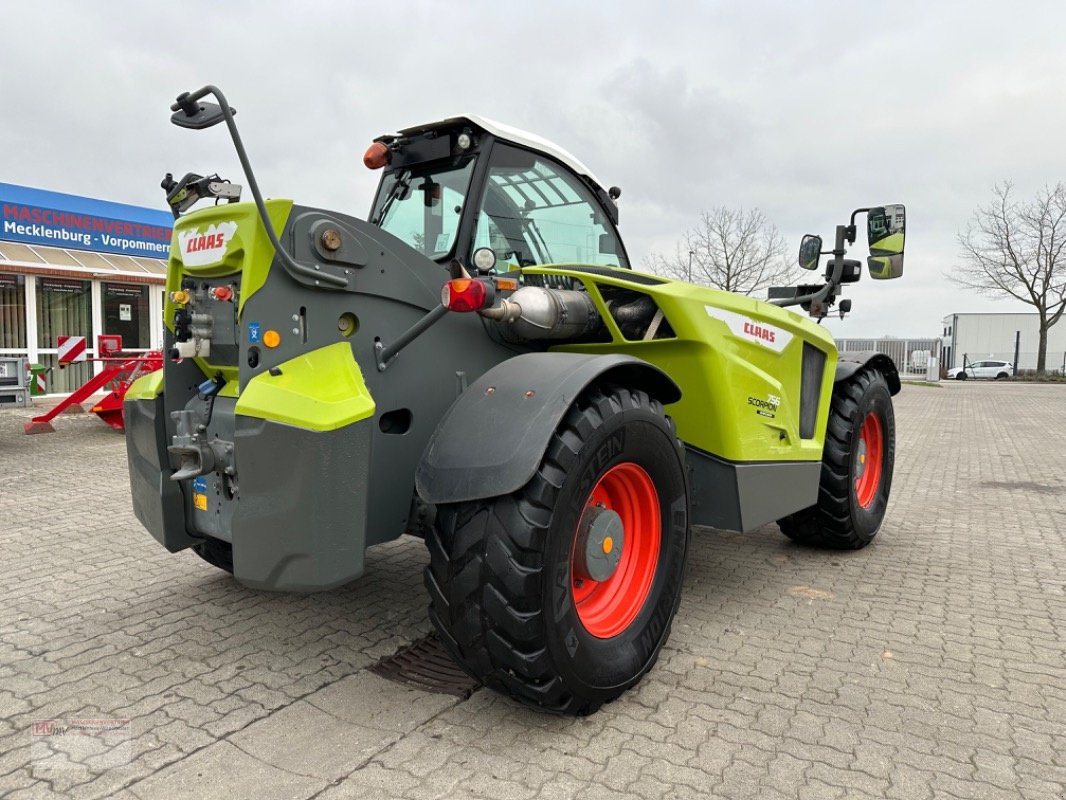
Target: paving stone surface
(930,665)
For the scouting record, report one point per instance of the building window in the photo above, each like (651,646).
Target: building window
(13,312)
(126,313)
(64,308)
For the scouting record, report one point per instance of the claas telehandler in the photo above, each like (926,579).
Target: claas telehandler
(478,365)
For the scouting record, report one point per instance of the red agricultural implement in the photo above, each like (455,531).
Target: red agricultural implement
(120,370)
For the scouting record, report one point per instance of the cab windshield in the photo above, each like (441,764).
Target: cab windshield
(536,212)
(422,204)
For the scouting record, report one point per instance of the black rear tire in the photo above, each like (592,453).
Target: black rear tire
(840,520)
(501,572)
(216,552)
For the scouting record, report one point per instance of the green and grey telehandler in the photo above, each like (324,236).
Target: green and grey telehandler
(478,365)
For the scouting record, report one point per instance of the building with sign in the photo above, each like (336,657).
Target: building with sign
(77,266)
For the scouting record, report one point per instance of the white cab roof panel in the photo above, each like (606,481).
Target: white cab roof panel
(514,136)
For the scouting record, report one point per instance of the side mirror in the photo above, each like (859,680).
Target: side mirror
(885,230)
(189,113)
(810,250)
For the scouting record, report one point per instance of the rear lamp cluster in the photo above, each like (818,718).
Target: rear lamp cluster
(465,294)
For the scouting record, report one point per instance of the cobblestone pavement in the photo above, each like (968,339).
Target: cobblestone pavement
(931,664)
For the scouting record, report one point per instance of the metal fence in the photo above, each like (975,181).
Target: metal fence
(913,357)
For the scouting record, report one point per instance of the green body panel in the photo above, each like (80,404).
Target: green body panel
(727,368)
(321,390)
(146,387)
(247,249)
(247,253)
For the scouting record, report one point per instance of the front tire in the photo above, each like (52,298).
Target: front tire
(961,376)
(857,462)
(534,594)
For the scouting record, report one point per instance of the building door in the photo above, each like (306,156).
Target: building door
(126,313)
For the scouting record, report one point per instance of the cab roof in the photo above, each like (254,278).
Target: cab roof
(509,134)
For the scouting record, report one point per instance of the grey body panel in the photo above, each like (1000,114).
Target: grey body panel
(294,529)
(281,540)
(494,436)
(276,544)
(745,496)
(849,363)
(157,501)
(397,287)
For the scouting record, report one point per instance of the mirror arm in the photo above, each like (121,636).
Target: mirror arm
(851,223)
(833,283)
(187,102)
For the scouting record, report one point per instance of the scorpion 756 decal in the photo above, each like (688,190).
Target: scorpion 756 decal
(767,407)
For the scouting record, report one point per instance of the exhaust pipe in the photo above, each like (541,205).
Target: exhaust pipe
(534,312)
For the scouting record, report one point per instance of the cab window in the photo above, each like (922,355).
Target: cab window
(422,205)
(535,211)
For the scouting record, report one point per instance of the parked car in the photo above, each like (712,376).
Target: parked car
(997,370)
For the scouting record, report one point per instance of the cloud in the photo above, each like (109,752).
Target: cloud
(802,110)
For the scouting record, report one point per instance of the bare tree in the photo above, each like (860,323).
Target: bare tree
(728,249)
(1015,248)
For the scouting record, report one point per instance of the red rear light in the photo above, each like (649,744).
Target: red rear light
(376,156)
(463,294)
(222,293)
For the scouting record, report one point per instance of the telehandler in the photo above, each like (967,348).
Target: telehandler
(479,365)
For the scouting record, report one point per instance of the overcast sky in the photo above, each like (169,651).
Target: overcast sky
(803,109)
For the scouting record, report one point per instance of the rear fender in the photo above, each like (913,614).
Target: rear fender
(493,438)
(850,363)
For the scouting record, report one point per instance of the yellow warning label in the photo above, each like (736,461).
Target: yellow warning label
(200,501)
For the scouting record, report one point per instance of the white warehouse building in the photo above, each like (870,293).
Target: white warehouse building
(992,336)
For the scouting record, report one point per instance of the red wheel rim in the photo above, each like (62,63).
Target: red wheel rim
(869,458)
(607,607)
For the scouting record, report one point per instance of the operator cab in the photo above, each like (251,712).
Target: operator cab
(467,184)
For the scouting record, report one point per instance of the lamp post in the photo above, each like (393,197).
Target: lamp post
(689,273)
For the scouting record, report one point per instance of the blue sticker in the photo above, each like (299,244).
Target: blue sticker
(200,484)
(254,335)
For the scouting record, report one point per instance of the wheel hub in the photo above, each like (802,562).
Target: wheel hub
(861,466)
(869,453)
(600,542)
(617,537)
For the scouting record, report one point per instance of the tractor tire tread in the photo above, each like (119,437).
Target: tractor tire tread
(502,641)
(828,524)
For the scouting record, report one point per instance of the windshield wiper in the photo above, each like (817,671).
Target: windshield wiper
(401,187)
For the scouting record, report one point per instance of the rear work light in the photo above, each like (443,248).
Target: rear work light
(464,294)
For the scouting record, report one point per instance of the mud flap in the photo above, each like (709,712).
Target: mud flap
(494,435)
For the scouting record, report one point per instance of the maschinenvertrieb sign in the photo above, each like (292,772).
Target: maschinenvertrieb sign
(36,216)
